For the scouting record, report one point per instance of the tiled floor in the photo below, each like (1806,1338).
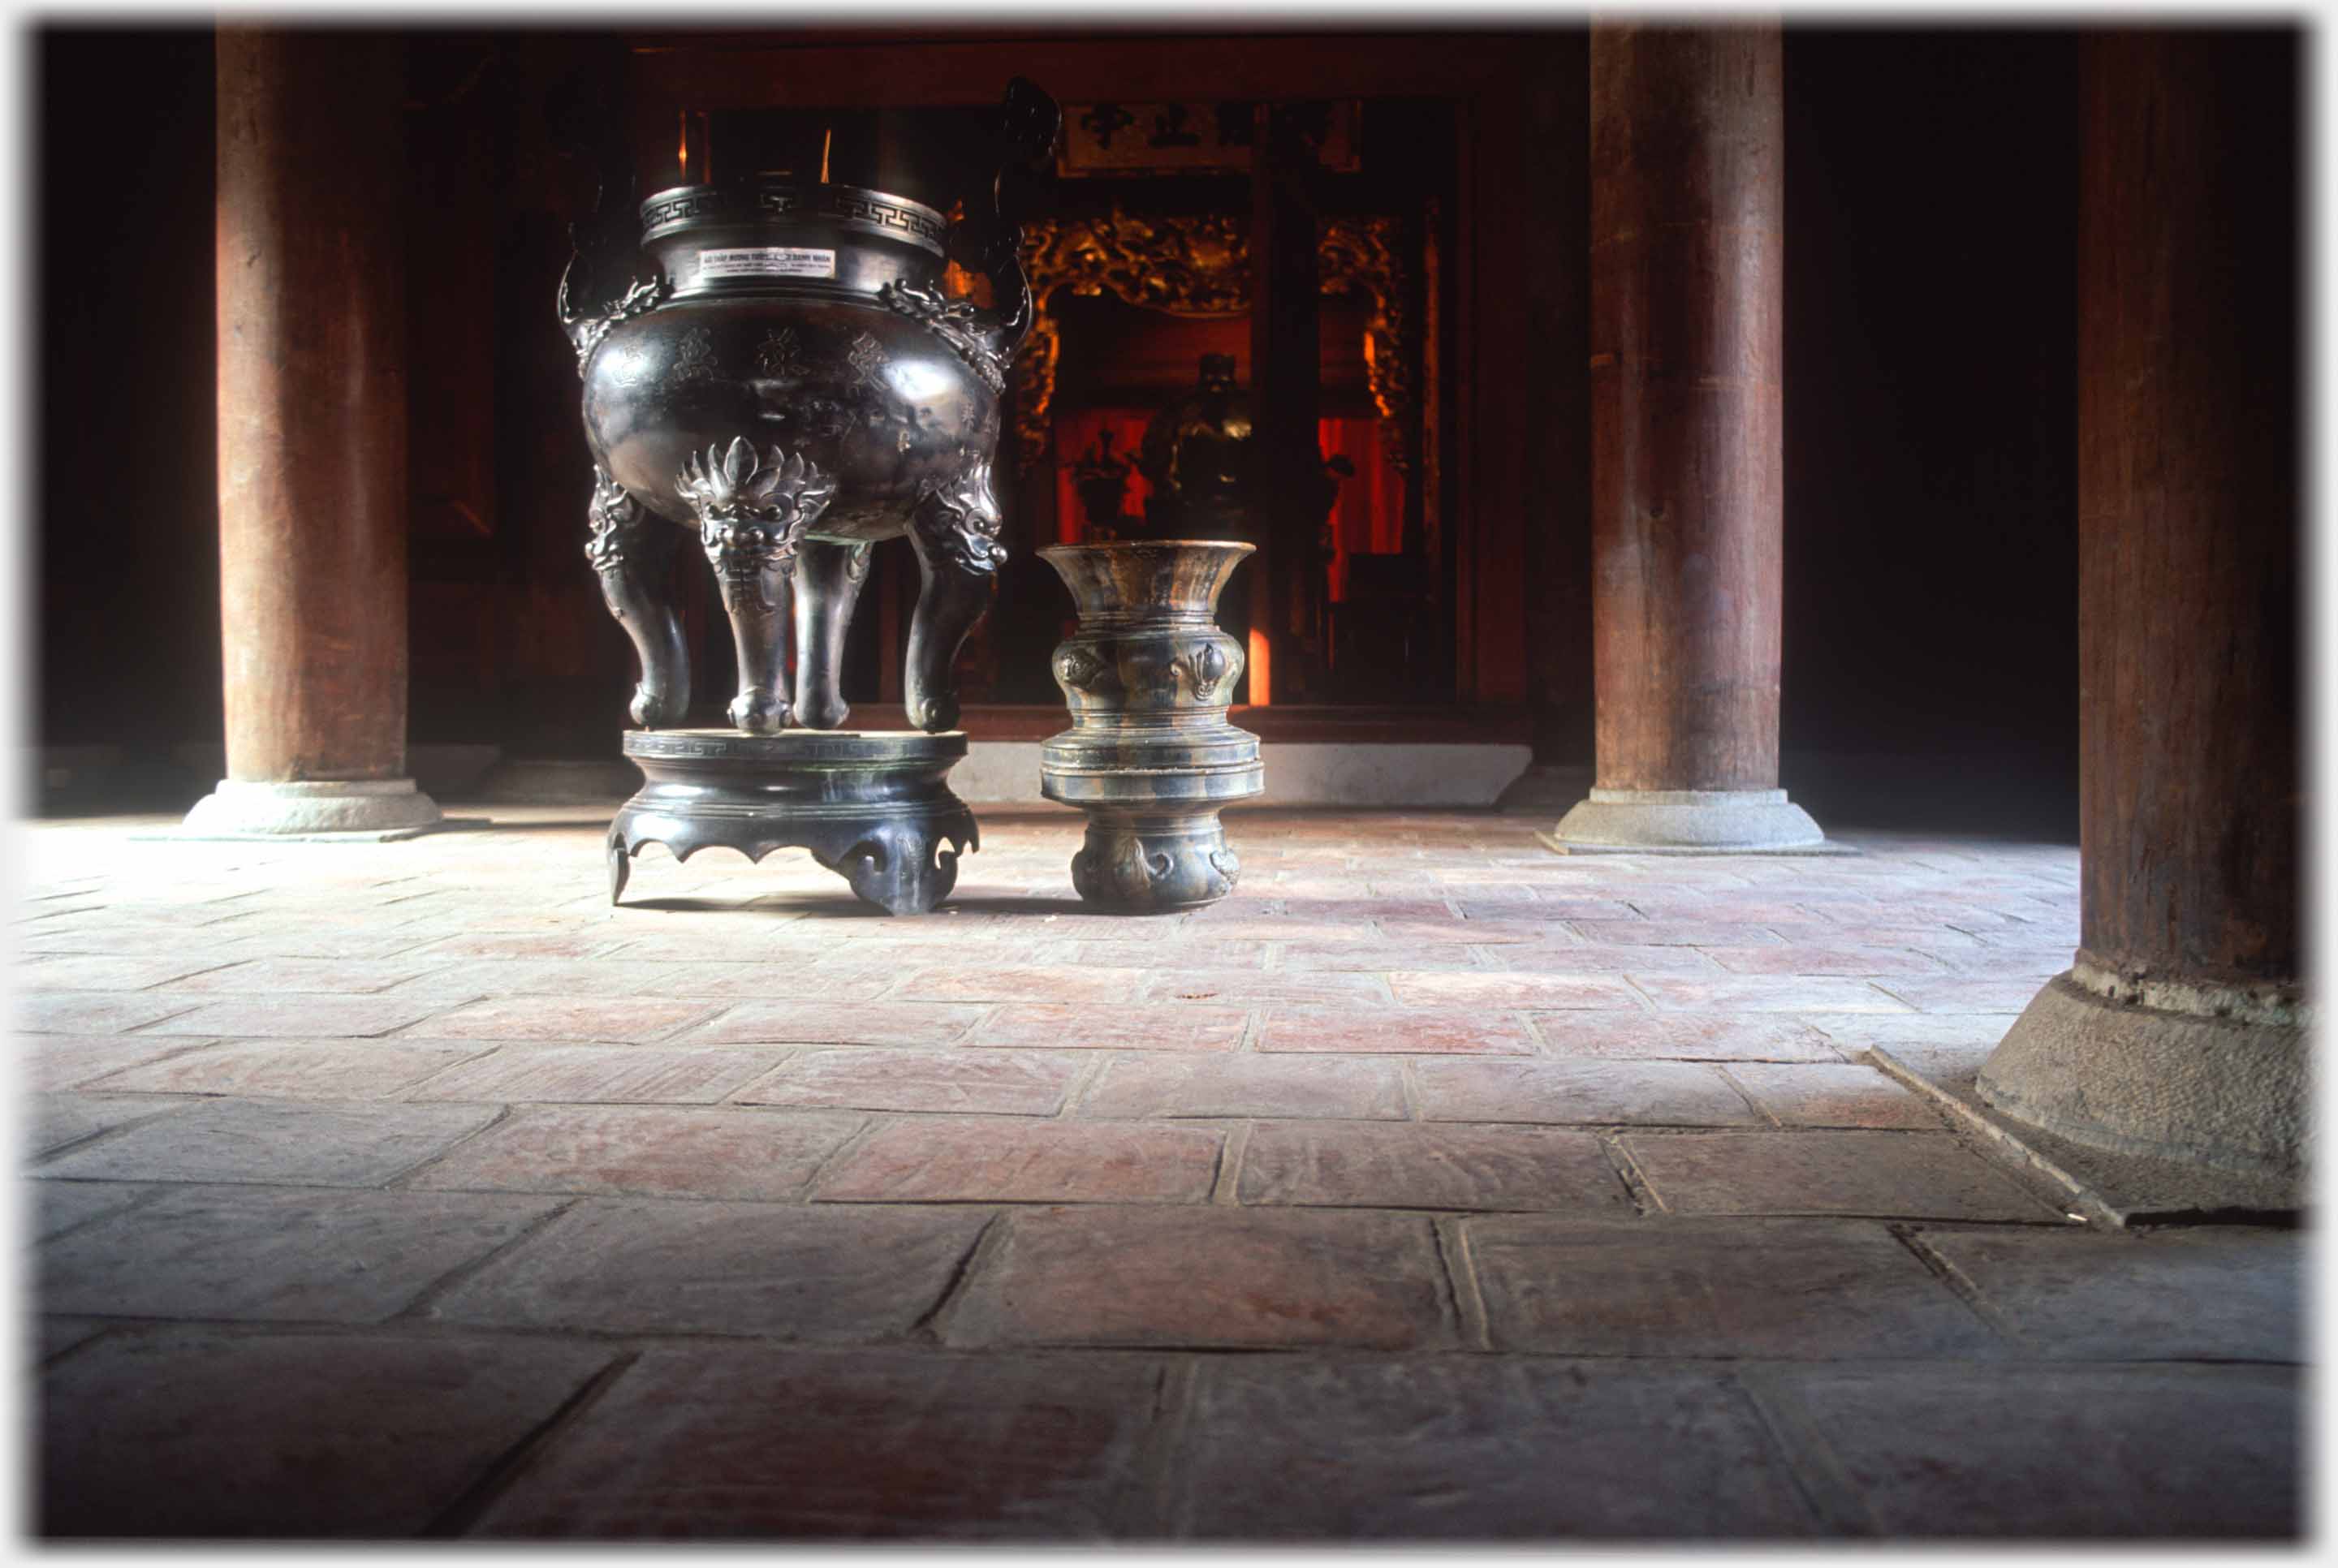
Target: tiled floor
(1433,1185)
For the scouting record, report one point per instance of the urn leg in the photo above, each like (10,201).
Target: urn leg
(753,570)
(827,581)
(632,549)
(955,534)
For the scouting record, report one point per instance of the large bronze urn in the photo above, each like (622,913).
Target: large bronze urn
(788,380)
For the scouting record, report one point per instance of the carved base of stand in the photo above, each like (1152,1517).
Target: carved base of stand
(1149,863)
(874,808)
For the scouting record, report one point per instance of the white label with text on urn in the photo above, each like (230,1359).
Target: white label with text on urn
(767,262)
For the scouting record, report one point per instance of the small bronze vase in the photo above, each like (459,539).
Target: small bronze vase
(1150,757)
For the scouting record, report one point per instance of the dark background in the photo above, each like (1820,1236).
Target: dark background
(1931,579)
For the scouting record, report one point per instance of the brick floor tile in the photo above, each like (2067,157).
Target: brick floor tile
(59,1119)
(1601,1094)
(96,1012)
(280,1254)
(1024,1161)
(1768,994)
(62,1061)
(1569,907)
(1364,1165)
(987,1083)
(1799,958)
(826,979)
(1942,941)
(606,1075)
(1687,1036)
(639,1267)
(298,1016)
(189,945)
(1246,987)
(2037,965)
(1338,902)
(337,1143)
(1450,988)
(1856,1033)
(747,1442)
(1605,958)
(1961,994)
(1398,1031)
(1501,932)
(1235,925)
(313,942)
(302,1435)
(1907,1175)
(840,1023)
(1169,1027)
(270,977)
(1820,1095)
(100,972)
(309,1069)
(1208,1277)
(518,945)
(958,984)
(1661,909)
(54,1336)
(572,978)
(2093,1452)
(1135,1088)
(60,1206)
(1184,952)
(644,1152)
(584,1018)
(1372,957)
(1818,1290)
(1673,933)
(2217,1293)
(1466,1448)
(687,940)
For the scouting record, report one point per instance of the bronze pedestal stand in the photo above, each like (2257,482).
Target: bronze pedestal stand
(1150,756)
(876,808)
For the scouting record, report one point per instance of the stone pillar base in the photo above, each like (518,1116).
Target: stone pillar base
(374,807)
(1688,822)
(2182,1078)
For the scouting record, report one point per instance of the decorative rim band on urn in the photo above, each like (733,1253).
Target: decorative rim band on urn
(683,208)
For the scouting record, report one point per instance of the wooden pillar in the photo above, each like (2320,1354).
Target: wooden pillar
(312,435)
(1687,440)
(1548,338)
(2176,1030)
(1286,399)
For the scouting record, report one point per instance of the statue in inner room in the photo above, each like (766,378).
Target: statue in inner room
(1101,481)
(791,383)
(1197,457)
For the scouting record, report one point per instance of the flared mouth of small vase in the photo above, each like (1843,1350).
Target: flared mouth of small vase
(1126,546)
(1178,578)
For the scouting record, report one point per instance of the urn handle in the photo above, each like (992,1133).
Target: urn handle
(986,239)
(606,241)
(586,326)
